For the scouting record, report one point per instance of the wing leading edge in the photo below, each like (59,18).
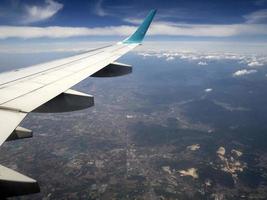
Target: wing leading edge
(25,90)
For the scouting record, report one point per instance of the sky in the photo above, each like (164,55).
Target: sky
(45,21)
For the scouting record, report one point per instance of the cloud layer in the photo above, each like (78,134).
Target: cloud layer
(27,32)
(160,28)
(204,58)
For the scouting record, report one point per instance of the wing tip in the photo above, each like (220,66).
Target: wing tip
(138,36)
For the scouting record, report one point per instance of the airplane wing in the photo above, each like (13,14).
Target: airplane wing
(46,88)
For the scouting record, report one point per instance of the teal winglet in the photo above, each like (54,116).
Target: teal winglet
(139,34)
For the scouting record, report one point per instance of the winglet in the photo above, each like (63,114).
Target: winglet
(139,34)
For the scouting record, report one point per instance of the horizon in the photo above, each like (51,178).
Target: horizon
(52,22)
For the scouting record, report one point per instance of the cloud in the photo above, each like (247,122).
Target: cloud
(193,52)
(254,25)
(99,10)
(36,13)
(27,32)
(202,63)
(243,72)
(39,13)
(257,17)
(207,30)
(134,21)
(202,58)
(170,58)
(102,9)
(255,64)
(56,47)
(176,29)
(208,90)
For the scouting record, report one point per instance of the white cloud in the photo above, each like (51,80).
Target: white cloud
(158,28)
(243,72)
(236,50)
(133,20)
(186,51)
(202,58)
(208,90)
(255,64)
(27,32)
(209,30)
(99,9)
(39,13)
(255,25)
(206,30)
(202,63)
(259,16)
(169,58)
(57,47)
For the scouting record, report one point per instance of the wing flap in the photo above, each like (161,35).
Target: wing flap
(13,183)
(9,120)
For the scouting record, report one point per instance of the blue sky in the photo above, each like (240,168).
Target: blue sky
(107,12)
(94,20)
